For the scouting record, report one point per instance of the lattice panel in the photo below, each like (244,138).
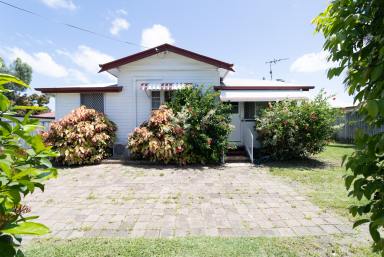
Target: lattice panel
(94,101)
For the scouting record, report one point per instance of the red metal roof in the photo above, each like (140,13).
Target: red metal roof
(47,115)
(304,88)
(162,48)
(106,89)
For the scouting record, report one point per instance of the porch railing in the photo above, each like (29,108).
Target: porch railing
(248,142)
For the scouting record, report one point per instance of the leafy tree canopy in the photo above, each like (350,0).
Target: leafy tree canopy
(354,37)
(24,166)
(17,94)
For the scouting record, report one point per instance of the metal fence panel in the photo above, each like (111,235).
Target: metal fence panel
(351,122)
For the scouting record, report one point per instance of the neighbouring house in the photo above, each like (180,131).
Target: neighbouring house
(147,79)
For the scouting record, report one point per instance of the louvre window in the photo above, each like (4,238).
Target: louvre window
(155,100)
(93,100)
(249,110)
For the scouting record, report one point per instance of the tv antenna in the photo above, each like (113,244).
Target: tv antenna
(274,61)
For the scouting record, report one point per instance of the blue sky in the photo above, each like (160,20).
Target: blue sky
(244,32)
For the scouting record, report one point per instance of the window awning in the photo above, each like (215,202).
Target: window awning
(164,86)
(261,96)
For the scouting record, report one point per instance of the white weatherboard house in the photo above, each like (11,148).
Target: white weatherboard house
(147,79)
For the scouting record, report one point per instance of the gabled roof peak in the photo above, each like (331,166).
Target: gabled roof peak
(162,48)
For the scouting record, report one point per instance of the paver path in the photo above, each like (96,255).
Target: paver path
(113,200)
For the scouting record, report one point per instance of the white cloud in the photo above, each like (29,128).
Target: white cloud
(87,58)
(156,35)
(118,24)
(65,4)
(311,62)
(78,76)
(41,62)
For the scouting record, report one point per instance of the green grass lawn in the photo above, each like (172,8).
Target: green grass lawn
(321,178)
(193,247)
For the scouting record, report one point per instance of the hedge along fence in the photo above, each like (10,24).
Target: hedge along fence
(350,122)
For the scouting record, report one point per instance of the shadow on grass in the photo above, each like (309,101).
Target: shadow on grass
(304,164)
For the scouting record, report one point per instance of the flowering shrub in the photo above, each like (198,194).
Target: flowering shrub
(85,136)
(194,128)
(159,139)
(289,129)
(207,124)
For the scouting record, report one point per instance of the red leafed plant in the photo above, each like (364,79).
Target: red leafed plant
(160,138)
(84,136)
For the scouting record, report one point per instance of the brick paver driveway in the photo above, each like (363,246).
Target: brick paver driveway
(114,200)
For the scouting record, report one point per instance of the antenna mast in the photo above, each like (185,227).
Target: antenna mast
(274,61)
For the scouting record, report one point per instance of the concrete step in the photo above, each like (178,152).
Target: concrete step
(236,158)
(236,152)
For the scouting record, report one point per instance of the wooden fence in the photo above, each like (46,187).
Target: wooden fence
(350,123)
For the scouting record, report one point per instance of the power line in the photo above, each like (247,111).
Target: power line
(70,25)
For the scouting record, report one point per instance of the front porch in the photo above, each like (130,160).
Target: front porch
(248,101)
(244,135)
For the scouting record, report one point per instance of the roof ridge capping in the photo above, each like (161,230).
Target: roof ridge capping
(162,48)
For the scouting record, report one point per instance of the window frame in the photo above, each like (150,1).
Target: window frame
(159,98)
(254,111)
(258,107)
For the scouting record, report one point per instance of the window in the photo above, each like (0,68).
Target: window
(93,100)
(235,108)
(155,100)
(249,110)
(167,96)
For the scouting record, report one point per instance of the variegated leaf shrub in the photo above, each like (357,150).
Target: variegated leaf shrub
(84,136)
(160,139)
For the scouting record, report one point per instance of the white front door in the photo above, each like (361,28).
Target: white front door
(235,136)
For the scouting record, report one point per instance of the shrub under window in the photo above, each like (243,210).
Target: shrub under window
(84,136)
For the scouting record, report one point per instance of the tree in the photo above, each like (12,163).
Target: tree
(17,94)
(354,37)
(24,165)
(20,70)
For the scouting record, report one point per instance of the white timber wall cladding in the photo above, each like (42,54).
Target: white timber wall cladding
(129,108)
(65,103)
